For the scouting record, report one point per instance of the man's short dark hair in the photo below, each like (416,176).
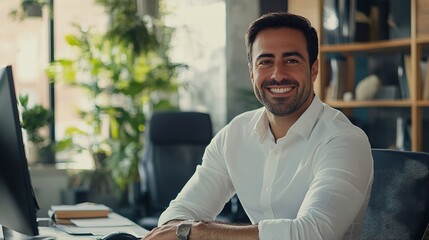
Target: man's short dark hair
(280,20)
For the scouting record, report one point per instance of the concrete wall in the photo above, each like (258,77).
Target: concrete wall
(48,183)
(239,14)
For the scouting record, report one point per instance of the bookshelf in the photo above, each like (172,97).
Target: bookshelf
(414,107)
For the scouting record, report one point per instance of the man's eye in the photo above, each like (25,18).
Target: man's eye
(291,61)
(264,62)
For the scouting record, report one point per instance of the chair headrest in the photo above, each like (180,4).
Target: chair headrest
(180,127)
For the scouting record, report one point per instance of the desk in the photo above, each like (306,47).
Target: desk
(46,232)
(52,232)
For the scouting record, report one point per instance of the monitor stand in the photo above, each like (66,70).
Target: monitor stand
(9,234)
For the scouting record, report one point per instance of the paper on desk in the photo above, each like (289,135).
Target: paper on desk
(103,226)
(101,231)
(113,220)
(137,231)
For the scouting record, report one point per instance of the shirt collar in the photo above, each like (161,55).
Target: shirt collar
(308,120)
(303,126)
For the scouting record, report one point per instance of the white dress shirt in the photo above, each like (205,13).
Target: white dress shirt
(314,183)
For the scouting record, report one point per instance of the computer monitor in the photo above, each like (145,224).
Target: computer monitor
(17,200)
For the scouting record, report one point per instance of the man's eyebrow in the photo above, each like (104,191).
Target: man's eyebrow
(286,54)
(291,54)
(265,55)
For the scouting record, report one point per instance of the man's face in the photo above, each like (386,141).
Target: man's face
(280,71)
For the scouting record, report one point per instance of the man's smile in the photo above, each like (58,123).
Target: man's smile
(277,89)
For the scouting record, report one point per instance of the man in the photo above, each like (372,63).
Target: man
(300,169)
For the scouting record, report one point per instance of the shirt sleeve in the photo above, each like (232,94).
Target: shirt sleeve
(205,194)
(342,176)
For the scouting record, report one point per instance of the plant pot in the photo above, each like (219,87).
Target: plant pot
(32,153)
(32,9)
(37,155)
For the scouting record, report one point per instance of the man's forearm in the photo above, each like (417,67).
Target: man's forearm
(204,230)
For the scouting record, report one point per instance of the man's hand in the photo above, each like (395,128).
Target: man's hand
(164,232)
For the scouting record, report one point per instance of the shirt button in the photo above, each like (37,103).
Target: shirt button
(268,189)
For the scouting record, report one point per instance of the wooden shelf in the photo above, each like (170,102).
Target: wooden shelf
(368,46)
(423,103)
(423,39)
(416,46)
(375,103)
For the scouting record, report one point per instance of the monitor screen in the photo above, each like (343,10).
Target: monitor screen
(17,200)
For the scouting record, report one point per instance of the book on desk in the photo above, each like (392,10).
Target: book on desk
(91,219)
(62,214)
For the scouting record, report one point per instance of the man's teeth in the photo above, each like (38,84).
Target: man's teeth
(280,90)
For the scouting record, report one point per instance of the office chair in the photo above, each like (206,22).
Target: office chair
(175,143)
(399,203)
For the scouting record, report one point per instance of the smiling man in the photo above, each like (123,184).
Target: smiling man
(299,167)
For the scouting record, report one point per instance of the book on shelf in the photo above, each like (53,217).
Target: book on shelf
(331,30)
(403,134)
(61,213)
(338,78)
(404,74)
(425,79)
(346,15)
(362,21)
(399,19)
(339,21)
(380,16)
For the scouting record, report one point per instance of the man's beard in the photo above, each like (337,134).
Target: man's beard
(281,106)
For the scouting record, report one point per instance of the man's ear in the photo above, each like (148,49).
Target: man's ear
(315,70)
(250,72)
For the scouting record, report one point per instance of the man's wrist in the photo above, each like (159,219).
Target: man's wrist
(184,229)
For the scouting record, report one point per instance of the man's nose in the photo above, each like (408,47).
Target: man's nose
(279,72)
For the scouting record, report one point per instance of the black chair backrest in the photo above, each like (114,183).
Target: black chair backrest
(399,203)
(175,144)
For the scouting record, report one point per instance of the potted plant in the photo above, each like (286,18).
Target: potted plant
(34,120)
(28,8)
(126,73)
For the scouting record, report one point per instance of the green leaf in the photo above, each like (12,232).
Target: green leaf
(73,40)
(64,144)
(23,100)
(74,130)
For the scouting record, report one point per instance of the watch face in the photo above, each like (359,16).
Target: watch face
(183,230)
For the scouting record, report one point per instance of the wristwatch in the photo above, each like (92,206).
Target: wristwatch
(184,229)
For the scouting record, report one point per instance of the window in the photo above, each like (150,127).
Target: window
(199,41)
(25,46)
